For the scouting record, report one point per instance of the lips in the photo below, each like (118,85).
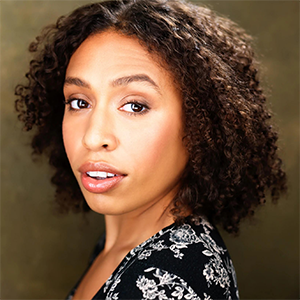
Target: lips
(100,177)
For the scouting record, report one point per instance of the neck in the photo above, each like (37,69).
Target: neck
(124,232)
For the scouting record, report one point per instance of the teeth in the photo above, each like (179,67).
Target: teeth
(98,174)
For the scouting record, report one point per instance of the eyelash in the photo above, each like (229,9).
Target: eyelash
(144,105)
(69,101)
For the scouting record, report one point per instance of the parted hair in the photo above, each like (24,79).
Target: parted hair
(233,159)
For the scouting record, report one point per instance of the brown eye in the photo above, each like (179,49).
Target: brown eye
(78,104)
(135,108)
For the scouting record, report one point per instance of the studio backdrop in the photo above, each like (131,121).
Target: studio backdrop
(43,254)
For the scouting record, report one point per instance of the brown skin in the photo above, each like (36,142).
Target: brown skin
(99,272)
(232,147)
(146,145)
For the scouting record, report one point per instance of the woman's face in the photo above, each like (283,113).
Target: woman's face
(122,126)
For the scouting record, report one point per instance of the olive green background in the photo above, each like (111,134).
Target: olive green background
(42,254)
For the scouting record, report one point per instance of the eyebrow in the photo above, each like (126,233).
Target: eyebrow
(116,82)
(134,78)
(76,81)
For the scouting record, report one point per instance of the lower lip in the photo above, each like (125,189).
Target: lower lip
(99,186)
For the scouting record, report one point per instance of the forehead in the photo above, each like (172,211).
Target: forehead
(109,55)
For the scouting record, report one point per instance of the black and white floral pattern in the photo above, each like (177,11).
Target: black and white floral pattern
(188,262)
(164,286)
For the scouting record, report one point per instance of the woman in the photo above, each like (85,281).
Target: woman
(155,107)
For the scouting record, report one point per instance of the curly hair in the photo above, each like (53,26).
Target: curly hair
(232,148)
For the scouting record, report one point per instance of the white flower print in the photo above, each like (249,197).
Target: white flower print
(230,269)
(142,283)
(208,272)
(150,292)
(216,273)
(210,243)
(159,246)
(116,282)
(155,247)
(148,287)
(206,297)
(183,236)
(144,254)
(206,225)
(168,286)
(156,284)
(114,296)
(108,282)
(179,292)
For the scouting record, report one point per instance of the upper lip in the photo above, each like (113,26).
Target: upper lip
(99,166)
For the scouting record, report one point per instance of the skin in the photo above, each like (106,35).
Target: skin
(143,141)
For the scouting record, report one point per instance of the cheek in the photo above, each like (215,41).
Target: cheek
(159,144)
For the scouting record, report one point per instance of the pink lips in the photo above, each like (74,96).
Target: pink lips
(94,185)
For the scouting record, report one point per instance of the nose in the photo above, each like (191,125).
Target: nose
(99,134)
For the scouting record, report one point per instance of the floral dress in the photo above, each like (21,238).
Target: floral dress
(188,262)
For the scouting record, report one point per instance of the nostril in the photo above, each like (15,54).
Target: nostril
(104,145)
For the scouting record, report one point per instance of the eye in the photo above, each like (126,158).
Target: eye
(135,107)
(76,104)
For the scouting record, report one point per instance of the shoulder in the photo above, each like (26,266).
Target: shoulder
(189,261)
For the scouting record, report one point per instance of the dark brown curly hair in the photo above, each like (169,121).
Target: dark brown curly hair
(232,148)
